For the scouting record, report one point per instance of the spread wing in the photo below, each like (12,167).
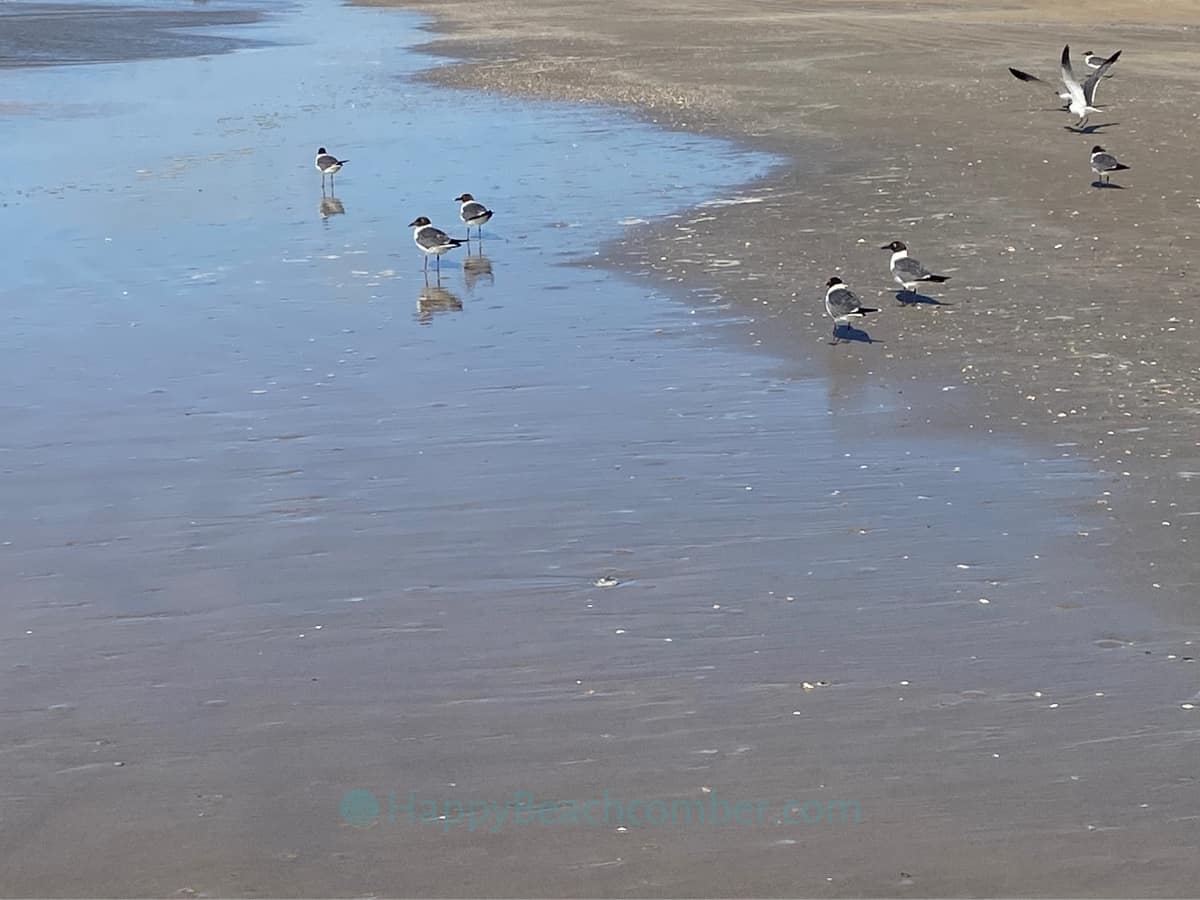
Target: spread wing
(1024,76)
(1093,80)
(1068,77)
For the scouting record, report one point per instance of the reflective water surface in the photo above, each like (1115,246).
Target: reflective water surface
(281,517)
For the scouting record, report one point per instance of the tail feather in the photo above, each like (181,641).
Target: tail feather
(866,309)
(936,278)
(1118,167)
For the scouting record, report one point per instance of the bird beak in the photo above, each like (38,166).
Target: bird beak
(886,247)
(412,224)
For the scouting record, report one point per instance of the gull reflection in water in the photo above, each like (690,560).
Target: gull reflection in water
(435,299)
(331,206)
(477,268)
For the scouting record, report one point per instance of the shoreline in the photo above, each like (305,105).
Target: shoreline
(290,546)
(1090,377)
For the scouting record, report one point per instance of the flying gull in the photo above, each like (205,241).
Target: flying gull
(473,213)
(1104,163)
(843,304)
(907,271)
(1080,98)
(432,241)
(328,164)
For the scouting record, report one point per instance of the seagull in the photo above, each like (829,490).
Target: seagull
(1104,163)
(1080,98)
(843,304)
(432,240)
(327,164)
(1093,61)
(473,213)
(907,271)
(1083,95)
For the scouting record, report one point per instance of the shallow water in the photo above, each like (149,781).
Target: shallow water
(283,518)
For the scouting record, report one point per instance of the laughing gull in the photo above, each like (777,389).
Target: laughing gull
(843,304)
(1104,163)
(432,241)
(327,164)
(1083,95)
(473,213)
(907,271)
(1080,97)
(1092,61)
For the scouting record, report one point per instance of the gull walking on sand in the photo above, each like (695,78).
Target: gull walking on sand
(432,241)
(328,164)
(1104,163)
(843,305)
(473,213)
(907,271)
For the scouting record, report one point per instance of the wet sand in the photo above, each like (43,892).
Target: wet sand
(55,34)
(1070,317)
(284,521)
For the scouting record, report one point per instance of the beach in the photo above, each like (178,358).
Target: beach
(589,567)
(1070,312)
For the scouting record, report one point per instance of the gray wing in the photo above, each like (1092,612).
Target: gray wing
(1102,162)
(473,209)
(910,270)
(1093,80)
(324,161)
(842,302)
(431,238)
(1068,76)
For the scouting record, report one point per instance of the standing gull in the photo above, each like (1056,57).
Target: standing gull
(473,213)
(432,241)
(907,271)
(328,164)
(1104,163)
(843,304)
(1092,61)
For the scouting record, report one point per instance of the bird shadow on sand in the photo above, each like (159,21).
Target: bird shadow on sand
(1108,184)
(914,298)
(850,333)
(1091,129)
